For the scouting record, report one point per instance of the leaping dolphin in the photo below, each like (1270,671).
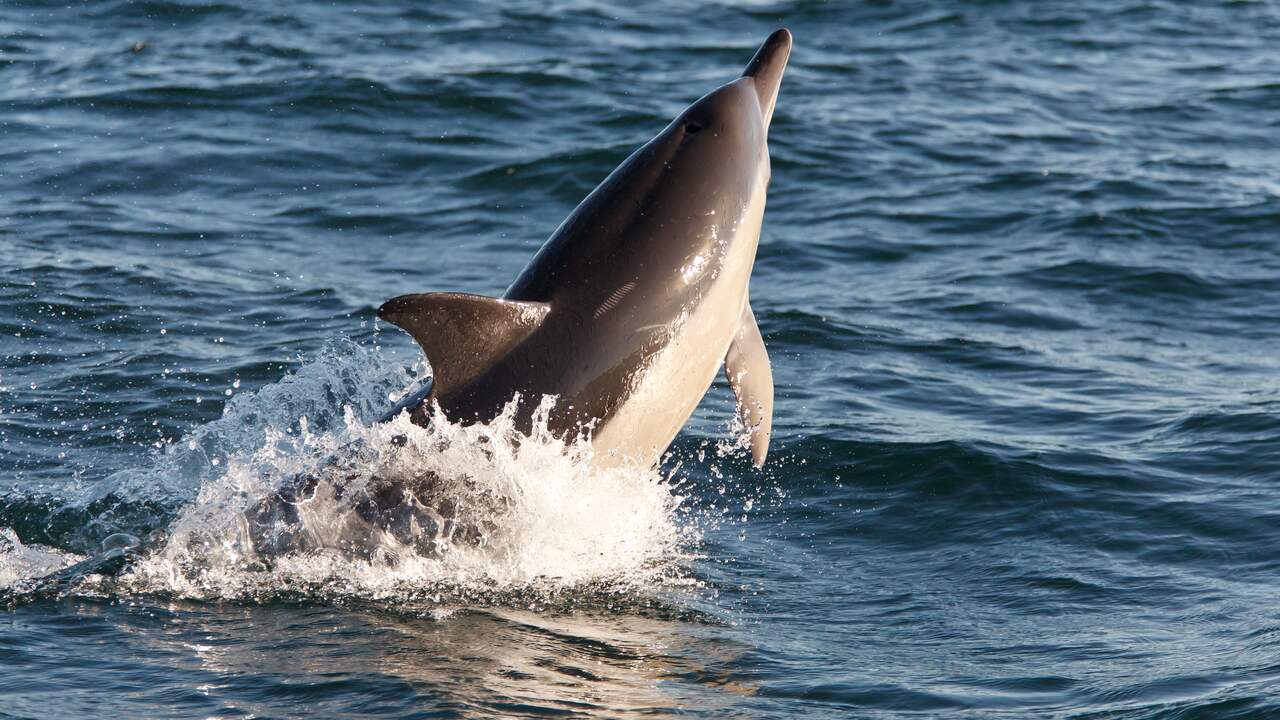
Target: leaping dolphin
(633,304)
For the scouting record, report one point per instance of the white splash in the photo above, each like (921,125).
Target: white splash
(550,519)
(20,563)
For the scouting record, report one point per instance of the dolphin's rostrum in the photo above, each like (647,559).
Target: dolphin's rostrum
(636,300)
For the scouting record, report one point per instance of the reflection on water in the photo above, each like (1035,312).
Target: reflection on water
(263,660)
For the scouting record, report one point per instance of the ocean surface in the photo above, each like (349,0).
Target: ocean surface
(1019,279)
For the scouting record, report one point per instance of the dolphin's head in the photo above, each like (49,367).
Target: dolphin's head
(729,125)
(715,162)
(670,215)
(746,101)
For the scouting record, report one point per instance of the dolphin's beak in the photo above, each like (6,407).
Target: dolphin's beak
(766,70)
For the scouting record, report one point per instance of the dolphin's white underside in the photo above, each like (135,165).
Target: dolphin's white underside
(666,391)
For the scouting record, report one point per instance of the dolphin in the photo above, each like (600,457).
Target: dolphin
(636,300)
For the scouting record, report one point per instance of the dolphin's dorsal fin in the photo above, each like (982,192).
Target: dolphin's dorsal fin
(462,335)
(747,367)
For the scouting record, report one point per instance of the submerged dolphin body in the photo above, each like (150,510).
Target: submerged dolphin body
(631,307)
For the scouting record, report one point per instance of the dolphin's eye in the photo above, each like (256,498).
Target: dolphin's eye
(691,128)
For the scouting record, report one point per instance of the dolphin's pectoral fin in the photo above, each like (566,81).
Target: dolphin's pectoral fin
(462,335)
(747,368)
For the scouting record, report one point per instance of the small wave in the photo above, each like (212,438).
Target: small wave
(1009,315)
(1167,284)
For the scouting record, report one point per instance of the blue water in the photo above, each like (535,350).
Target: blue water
(1019,279)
